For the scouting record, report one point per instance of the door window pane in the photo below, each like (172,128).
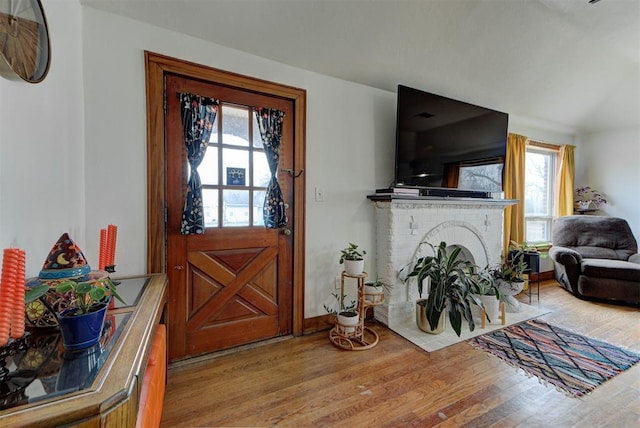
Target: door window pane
(258,205)
(261,172)
(234,164)
(208,168)
(235,207)
(235,126)
(257,139)
(210,207)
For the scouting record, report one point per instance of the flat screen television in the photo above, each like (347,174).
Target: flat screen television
(442,143)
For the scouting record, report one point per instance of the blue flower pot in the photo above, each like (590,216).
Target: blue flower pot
(81,331)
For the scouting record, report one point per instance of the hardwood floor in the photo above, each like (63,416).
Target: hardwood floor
(306,381)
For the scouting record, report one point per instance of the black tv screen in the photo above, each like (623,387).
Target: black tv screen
(445,143)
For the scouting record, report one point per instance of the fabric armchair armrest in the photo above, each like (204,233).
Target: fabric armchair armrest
(565,256)
(566,264)
(635,258)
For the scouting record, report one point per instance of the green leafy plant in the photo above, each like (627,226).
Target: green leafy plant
(482,283)
(379,284)
(351,253)
(526,247)
(86,297)
(450,279)
(342,306)
(511,268)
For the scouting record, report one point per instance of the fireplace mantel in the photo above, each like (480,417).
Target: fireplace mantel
(404,224)
(421,200)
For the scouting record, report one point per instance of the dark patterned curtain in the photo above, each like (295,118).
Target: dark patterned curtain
(198,115)
(270,126)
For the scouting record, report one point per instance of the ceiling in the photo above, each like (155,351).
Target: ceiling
(562,64)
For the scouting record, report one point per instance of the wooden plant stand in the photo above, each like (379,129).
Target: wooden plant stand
(359,337)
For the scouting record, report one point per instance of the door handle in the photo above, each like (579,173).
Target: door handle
(286,232)
(292,172)
(179,267)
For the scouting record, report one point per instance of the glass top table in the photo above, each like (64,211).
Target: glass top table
(37,367)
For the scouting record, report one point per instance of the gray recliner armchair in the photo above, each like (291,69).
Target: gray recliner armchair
(596,256)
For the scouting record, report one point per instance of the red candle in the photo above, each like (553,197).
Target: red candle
(7,286)
(103,249)
(112,233)
(17,321)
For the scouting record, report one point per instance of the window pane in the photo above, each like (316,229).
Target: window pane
(208,168)
(210,207)
(538,230)
(235,208)
(258,205)
(235,167)
(538,182)
(235,126)
(261,172)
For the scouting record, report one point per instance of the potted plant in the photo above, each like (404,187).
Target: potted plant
(374,291)
(353,259)
(449,281)
(530,253)
(509,278)
(485,295)
(346,314)
(82,321)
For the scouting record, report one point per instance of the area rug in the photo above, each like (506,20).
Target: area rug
(408,329)
(573,363)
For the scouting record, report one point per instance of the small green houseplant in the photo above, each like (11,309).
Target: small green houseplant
(346,313)
(82,321)
(450,278)
(485,294)
(353,259)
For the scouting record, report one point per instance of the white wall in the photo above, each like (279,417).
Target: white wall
(42,176)
(350,130)
(610,163)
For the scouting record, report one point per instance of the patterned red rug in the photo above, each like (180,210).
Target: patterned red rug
(573,363)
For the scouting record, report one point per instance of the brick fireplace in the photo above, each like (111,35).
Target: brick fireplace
(404,225)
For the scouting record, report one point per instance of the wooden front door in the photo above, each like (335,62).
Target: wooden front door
(233,284)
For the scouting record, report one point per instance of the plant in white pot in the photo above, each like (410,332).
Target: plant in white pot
(353,259)
(374,291)
(449,278)
(485,295)
(346,313)
(509,279)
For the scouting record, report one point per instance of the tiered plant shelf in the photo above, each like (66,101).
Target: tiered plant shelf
(358,337)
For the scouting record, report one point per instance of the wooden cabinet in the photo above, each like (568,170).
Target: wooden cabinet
(97,387)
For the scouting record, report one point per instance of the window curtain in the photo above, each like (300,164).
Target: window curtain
(565,181)
(270,127)
(514,170)
(198,115)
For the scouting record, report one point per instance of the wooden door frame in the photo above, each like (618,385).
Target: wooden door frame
(156,66)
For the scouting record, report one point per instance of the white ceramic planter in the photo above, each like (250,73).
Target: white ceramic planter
(491,305)
(374,295)
(354,267)
(348,322)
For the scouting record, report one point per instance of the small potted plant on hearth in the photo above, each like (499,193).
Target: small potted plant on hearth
(509,278)
(485,295)
(353,259)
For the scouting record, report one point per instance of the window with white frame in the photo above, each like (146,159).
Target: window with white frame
(539,192)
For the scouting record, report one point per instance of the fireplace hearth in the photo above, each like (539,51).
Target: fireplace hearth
(404,226)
